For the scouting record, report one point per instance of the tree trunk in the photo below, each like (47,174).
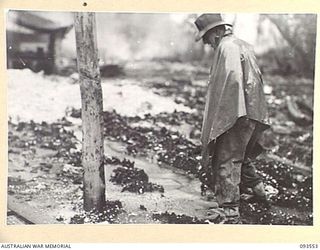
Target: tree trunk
(293,42)
(92,111)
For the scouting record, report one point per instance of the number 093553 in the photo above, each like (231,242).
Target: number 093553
(308,246)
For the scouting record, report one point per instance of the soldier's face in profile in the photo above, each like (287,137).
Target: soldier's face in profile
(210,38)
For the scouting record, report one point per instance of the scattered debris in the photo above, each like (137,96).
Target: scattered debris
(172,218)
(50,136)
(143,208)
(133,179)
(170,147)
(108,214)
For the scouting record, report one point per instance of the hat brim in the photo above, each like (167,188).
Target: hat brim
(209,27)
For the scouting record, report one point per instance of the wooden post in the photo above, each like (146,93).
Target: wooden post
(92,111)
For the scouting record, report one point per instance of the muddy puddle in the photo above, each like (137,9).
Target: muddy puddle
(181,192)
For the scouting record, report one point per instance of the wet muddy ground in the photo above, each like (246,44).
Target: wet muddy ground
(152,161)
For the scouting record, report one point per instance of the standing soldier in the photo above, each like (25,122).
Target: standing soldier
(235,116)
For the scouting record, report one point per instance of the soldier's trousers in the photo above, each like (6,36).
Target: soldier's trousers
(232,153)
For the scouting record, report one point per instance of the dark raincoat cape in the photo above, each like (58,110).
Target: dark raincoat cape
(235,89)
